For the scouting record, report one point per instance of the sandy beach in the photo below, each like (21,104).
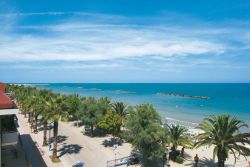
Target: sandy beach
(206,158)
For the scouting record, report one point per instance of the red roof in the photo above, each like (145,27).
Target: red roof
(5,102)
(2,87)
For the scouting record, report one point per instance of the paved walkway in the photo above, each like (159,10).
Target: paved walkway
(73,145)
(91,151)
(32,145)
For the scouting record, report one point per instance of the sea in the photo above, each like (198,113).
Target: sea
(187,102)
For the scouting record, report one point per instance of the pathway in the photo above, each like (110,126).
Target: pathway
(32,145)
(91,151)
(73,145)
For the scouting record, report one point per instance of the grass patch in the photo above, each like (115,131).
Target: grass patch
(54,160)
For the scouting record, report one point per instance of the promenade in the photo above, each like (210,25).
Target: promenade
(32,145)
(73,146)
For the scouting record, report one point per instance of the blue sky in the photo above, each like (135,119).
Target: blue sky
(124,41)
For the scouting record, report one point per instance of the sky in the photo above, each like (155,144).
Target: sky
(178,41)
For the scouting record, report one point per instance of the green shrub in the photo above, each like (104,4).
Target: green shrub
(179,160)
(173,154)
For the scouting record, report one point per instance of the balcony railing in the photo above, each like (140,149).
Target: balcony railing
(9,138)
(9,133)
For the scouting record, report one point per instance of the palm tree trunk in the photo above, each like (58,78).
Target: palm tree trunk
(221,163)
(92,130)
(221,157)
(182,152)
(35,128)
(45,133)
(31,122)
(29,117)
(146,162)
(54,156)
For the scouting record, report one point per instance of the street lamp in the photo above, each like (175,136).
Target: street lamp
(115,151)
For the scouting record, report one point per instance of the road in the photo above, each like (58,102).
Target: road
(89,150)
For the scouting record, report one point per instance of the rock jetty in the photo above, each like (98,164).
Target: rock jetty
(183,95)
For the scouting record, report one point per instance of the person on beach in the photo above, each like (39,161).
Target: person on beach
(196,160)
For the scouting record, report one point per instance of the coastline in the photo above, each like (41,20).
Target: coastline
(203,151)
(187,111)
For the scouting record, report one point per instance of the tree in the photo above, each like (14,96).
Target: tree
(111,122)
(46,113)
(223,132)
(79,115)
(144,128)
(120,108)
(72,104)
(104,104)
(37,109)
(90,113)
(176,137)
(56,105)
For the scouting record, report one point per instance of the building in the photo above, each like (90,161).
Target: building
(8,121)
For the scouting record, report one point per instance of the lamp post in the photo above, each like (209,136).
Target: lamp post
(115,151)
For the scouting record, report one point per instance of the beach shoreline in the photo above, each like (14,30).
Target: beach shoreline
(171,112)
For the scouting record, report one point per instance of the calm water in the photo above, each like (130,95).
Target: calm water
(224,98)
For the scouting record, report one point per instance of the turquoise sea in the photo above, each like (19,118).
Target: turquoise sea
(233,99)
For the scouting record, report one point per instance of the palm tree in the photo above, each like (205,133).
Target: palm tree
(176,136)
(56,106)
(223,132)
(45,118)
(30,107)
(46,113)
(120,108)
(37,110)
(37,107)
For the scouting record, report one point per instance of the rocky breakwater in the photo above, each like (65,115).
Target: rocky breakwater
(183,95)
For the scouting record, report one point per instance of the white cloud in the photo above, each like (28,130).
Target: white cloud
(124,46)
(92,42)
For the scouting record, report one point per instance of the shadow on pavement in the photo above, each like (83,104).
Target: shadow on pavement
(112,141)
(69,149)
(33,153)
(60,139)
(97,132)
(40,128)
(207,162)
